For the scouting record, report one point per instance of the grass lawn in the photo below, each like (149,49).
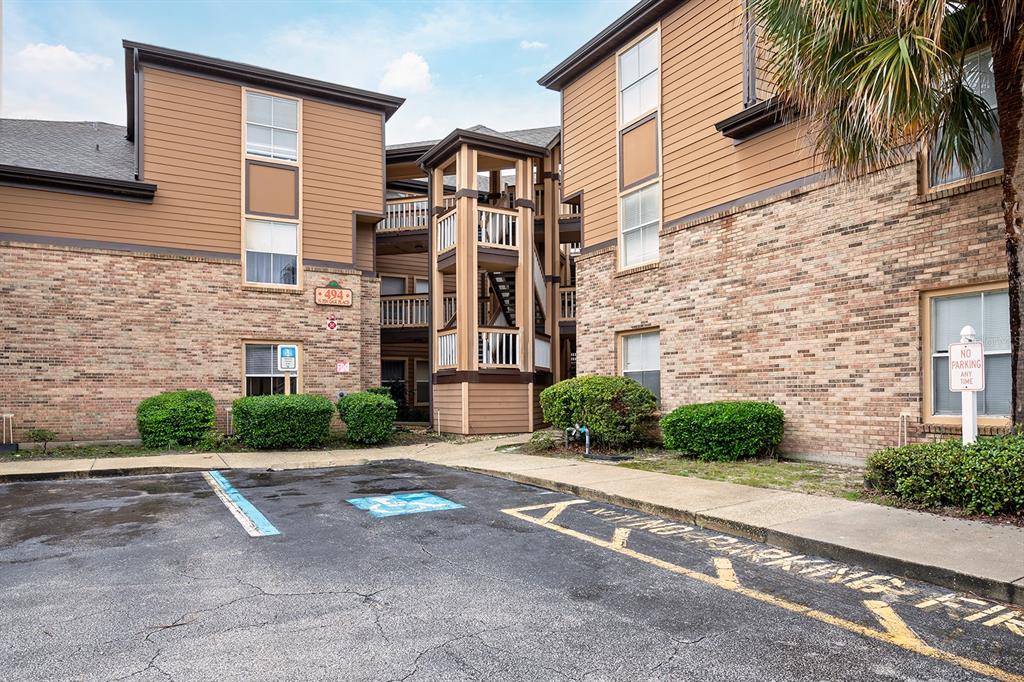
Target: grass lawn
(804,477)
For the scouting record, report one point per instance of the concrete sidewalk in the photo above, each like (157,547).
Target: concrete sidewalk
(964,555)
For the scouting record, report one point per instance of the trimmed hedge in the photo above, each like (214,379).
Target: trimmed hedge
(618,411)
(986,477)
(175,418)
(723,431)
(369,417)
(283,421)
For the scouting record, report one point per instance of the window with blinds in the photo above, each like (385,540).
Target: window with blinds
(640,221)
(641,360)
(638,79)
(271,126)
(989,313)
(271,252)
(261,374)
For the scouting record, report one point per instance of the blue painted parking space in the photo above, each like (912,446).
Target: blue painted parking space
(403,503)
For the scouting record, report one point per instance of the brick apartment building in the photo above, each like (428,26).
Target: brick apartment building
(674,229)
(719,263)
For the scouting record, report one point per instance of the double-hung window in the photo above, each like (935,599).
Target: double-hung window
(422,382)
(261,374)
(640,221)
(641,360)
(271,126)
(989,313)
(981,80)
(271,252)
(638,79)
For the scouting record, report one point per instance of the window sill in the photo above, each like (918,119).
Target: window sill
(273,288)
(643,267)
(962,187)
(987,426)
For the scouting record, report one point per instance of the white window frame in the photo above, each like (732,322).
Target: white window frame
(624,338)
(644,227)
(932,353)
(654,73)
(246,222)
(273,155)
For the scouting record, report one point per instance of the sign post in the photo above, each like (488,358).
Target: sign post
(967,377)
(288,362)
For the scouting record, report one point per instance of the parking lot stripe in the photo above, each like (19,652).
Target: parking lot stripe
(894,630)
(254,523)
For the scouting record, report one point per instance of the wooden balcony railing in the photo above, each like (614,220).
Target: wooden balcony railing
(412,310)
(568,210)
(446,225)
(498,347)
(447,349)
(411,213)
(497,227)
(567,307)
(448,309)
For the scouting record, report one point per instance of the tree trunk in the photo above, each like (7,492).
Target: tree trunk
(1009,80)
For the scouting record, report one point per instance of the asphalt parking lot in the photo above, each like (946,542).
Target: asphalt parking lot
(257,575)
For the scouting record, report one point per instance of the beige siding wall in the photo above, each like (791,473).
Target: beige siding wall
(343,169)
(193,128)
(589,140)
(448,402)
(499,408)
(702,67)
(408,264)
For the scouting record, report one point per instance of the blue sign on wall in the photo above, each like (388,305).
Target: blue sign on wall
(404,503)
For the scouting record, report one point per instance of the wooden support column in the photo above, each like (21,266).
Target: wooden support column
(437,321)
(466,258)
(552,258)
(524,271)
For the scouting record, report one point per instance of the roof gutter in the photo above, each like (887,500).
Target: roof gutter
(35,178)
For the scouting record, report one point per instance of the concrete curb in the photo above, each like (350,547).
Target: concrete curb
(1011,592)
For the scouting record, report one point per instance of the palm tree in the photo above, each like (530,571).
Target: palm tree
(879,78)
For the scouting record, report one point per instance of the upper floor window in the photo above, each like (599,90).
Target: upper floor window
(641,220)
(638,79)
(271,252)
(271,126)
(988,312)
(980,79)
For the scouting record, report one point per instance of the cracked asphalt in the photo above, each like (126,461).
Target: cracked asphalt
(151,578)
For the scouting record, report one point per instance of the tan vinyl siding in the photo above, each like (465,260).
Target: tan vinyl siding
(343,171)
(364,247)
(448,402)
(702,68)
(191,147)
(498,408)
(408,264)
(589,142)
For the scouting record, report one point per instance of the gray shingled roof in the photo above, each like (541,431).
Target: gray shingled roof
(540,137)
(79,147)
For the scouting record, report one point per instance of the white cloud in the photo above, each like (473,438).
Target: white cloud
(532,45)
(43,58)
(408,73)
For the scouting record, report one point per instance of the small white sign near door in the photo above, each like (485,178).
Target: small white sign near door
(287,358)
(966,367)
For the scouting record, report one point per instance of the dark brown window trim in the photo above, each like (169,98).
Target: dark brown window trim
(653,116)
(755,119)
(71,183)
(295,171)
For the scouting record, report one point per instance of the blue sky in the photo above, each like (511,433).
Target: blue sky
(456,62)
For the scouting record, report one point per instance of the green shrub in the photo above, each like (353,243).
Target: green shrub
(369,417)
(283,421)
(175,418)
(723,431)
(43,436)
(618,411)
(984,477)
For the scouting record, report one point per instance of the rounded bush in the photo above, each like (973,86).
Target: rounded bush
(723,431)
(369,417)
(617,410)
(175,418)
(982,478)
(283,421)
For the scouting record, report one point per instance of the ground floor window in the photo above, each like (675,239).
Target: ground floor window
(261,374)
(641,359)
(392,377)
(422,382)
(989,313)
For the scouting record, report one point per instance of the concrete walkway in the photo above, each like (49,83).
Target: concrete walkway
(964,555)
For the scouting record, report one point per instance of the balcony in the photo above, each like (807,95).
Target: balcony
(447,349)
(565,211)
(496,227)
(498,347)
(412,213)
(567,303)
(411,310)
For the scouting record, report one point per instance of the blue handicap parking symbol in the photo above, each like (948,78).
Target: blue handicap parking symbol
(404,503)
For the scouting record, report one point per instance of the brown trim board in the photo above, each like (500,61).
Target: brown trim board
(115,246)
(653,116)
(294,215)
(72,183)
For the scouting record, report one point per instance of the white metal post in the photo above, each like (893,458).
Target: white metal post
(969,399)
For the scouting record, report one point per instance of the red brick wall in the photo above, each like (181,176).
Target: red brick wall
(811,301)
(87,334)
